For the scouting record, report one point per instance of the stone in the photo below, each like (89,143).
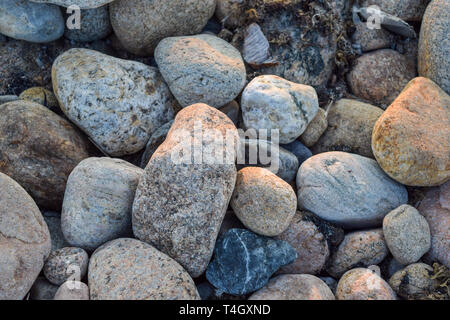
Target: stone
(330,282)
(315,129)
(299,150)
(24,240)
(41,96)
(363,284)
(244,261)
(162,19)
(42,289)
(72,290)
(371,39)
(310,244)
(350,125)
(256,47)
(263,202)
(294,287)
(32,22)
(152,275)
(230,13)
(332,233)
(66,263)
(414,281)
(273,103)
(117,103)
(180,201)
(379,76)
(410,140)
(389,22)
(433,57)
(201,68)
(156,139)
(39,149)
(98,202)
(407,234)
(409,10)
(347,189)
(94,25)
(359,249)
(53,221)
(83,4)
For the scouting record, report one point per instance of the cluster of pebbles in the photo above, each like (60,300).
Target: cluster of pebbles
(94,205)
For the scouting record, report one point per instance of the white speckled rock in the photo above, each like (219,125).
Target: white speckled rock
(270,102)
(83,4)
(98,200)
(201,68)
(118,103)
(347,189)
(72,290)
(65,263)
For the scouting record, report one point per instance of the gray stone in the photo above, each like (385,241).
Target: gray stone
(390,22)
(330,282)
(94,25)
(409,10)
(53,220)
(371,39)
(83,4)
(66,263)
(156,139)
(42,289)
(8,98)
(72,290)
(299,150)
(414,281)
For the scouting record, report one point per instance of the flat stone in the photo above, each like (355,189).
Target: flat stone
(414,281)
(72,290)
(332,233)
(83,4)
(315,129)
(156,139)
(94,25)
(64,264)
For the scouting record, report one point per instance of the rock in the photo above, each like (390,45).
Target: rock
(232,111)
(315,129)
(359,249)
(118,103)
(407,234)
(32,22)
(409,10)
(363,284)
(243,261)
(332,233)
(162,19)
(83,4)
(294,287)
(330,282)
(273,103)
(229,13)
(389,22)
(379,76)
(201,68)
(53,220)
(39,149)
(371,39)
(8,98)
(98,202)
(42,96)
(414,281)
(24,240)
(347,189)
(434,60)
(42,290)
(256,50)
(156,139)
(436,209)
(72,290)
(181,201)
(299,150)
(263,202)
(66,263)
(350,125)
(94,25)
(410,140)
(310,244)
(152,275)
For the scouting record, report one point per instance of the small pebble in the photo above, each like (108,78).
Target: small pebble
(64,264)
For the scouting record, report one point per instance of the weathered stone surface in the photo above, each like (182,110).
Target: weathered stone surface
(299,150)
(181,200)
(42,96)
(152,275)
(118,103)
(409,10)
(347,189)
(94,25)
(24,20)
(24,240)
(42,289)
(53,220)
(243,261)
(72,290)
(64,263)
(315,129)
(39,149)
(414,281)
(410,140)
(359,249)
(83,4)
(156,139)
(371,39)
(407,234)
(98,202)
(294,287)
(162,19)
(201,68)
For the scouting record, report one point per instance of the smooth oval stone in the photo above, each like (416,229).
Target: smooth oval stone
(66,263)
(24,240)
(347,189)
(244,261)
(118,103)
(32,22)
(72,290)
(151,276)
(39,149)
(83,4)
(94,25)
(414,281)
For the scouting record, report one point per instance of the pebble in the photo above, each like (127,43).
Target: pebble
(24,240)
(72,290)
(98,202)
(391,22)
(263,202)
(118,103)
(42,289)
(273,103)
(156,139)
(359,249)
(53,220)
(180,203)
(64,264)
(414,281)
(350,125)
(371,39)
(347,189)
(294,287)
(363,284)
(315,129)
(244,261)
(201,68)
(83,4)
(42,96)
(152,275)
(256,49)
(94,25)
(39,150)
(407,234)
(299,150)
(410,140)
(32,22)
(409,10)
(163,19)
